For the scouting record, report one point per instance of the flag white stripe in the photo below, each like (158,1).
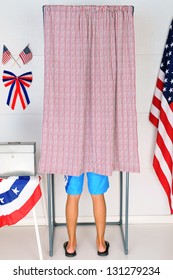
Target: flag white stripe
(6,184)
(166,138)
(161,75)
(167,110)
(155,111)
(158,94)
(163,164)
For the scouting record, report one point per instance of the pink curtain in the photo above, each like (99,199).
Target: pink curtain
(89,118)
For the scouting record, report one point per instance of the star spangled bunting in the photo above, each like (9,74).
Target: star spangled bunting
(17,88)
(161,116)
(18,195)
(26,55)
(6,55)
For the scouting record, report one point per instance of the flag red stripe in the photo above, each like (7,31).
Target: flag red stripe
(164,151)
(159,84)
(163,180)
(166,123)
(171,106)
(153,120)
(156,102)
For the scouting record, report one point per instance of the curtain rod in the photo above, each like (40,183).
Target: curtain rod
(133,8)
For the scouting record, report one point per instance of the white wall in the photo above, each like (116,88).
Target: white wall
(21,23)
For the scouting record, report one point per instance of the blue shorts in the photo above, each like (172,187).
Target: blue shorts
(97,184)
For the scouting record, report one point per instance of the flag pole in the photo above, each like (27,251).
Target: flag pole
(15,61)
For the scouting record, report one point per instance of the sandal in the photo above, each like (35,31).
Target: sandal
(66,253)
(106,252)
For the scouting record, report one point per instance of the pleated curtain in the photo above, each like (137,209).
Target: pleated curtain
(89,115)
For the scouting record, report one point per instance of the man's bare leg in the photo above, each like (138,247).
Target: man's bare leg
(71,220)
(99,209)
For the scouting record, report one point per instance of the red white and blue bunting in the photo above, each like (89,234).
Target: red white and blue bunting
(18,87)
(18,195)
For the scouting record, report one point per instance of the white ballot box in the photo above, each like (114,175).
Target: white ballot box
(17,158)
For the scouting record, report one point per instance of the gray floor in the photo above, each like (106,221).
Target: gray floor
(146,242)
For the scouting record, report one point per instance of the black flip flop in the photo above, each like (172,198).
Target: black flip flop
(106,252)
(70,255)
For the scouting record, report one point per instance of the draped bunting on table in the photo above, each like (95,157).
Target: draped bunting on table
(18,195)
(89,118)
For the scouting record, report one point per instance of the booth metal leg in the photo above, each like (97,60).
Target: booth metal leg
(127,214)
(51,212)
(124,232)
(121,198)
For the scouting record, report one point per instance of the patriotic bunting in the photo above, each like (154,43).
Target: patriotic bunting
(18,195)
(17,88)
(161,116)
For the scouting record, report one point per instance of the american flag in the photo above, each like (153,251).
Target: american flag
(6,55)
(18,195)
(161,116)
(26,55)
